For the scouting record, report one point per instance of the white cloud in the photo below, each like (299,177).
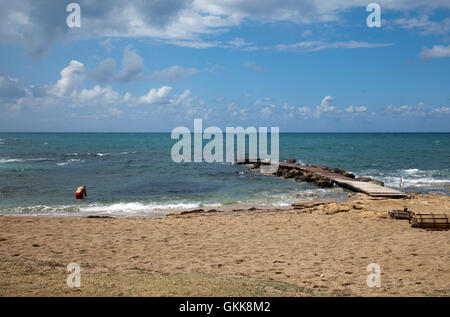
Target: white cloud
(239,42)
(352,109)
(442,110)
(303,110)
(237,112)
(103,95)
(109,43)
(267,110)
(156,96)
(71,79)
(194,43)
(98,102)
(424,25)
(419,111)
(437,51)
(182,97)
(325,105)
(37,24)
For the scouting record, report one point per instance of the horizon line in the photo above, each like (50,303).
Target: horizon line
(161,132)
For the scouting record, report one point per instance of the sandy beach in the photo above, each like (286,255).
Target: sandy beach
(322,249)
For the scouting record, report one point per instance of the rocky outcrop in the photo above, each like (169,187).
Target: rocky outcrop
(320,207)
(326,208)
(335,170)
(303,176)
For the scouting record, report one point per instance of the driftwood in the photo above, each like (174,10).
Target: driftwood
(401,214)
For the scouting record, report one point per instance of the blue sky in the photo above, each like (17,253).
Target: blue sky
(150,66)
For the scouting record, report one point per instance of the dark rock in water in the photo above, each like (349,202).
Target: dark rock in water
(324,183)
(188,212)
(291,160)
(301,175)
(290,174)
(347,174)
(195,211)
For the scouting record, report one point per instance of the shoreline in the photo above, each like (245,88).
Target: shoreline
(344,197)
(318,250)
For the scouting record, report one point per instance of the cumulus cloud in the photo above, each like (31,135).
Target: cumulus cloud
(437,51)
(326,105)
(71,79)
(132,65)
(182,97)
(105,70)
(133,69)
(156,96)
(103,95)
(98,102)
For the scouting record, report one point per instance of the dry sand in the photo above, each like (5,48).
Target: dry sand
(315,251)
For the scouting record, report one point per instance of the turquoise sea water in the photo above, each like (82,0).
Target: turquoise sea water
(133,174)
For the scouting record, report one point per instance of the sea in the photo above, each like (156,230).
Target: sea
(133,174)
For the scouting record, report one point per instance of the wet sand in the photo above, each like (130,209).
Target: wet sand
(319,250)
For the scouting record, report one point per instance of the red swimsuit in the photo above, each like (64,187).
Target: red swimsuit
(79,195)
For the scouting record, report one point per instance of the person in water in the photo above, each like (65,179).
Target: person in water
(81,192)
